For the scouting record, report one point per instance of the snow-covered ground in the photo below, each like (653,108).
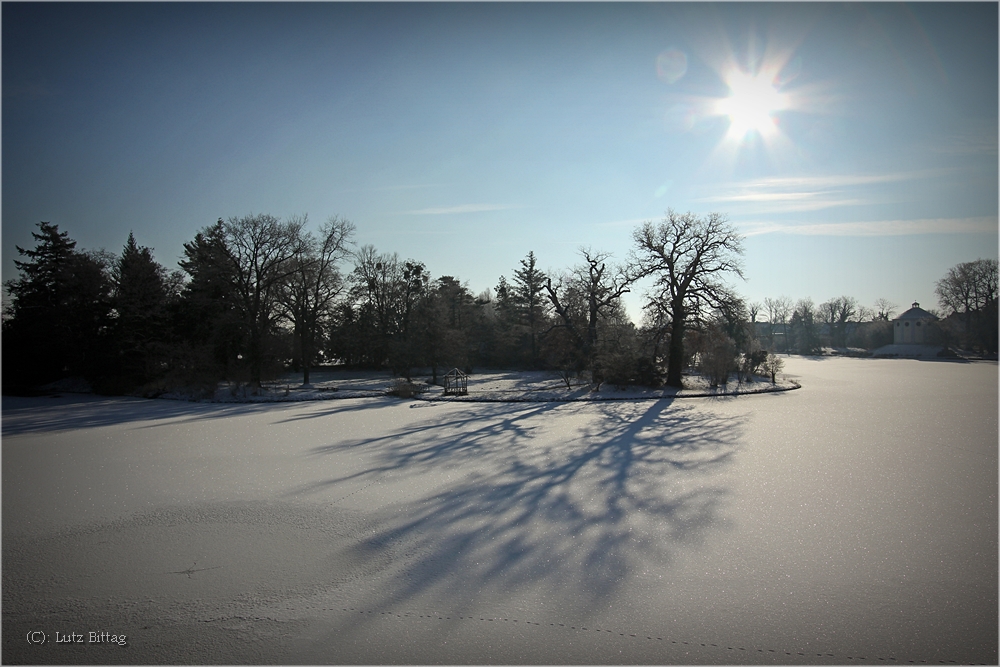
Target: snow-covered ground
(852,521)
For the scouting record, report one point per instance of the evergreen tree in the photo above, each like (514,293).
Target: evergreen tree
(140,303)
(529,283)
(504,353)
(803,328)
(58,313)
(206,318)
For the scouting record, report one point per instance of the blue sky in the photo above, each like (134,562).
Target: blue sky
(465,135)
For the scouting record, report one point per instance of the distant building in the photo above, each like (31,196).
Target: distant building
(910,328)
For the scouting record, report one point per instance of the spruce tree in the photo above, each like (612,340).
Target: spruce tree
(528,285)
(140,299)
(58,310)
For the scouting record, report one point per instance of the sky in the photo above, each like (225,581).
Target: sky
(854,145)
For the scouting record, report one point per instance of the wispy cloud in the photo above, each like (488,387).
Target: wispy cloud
(416,186)
(982,142)
(879,227)
(796,194)
(464,208)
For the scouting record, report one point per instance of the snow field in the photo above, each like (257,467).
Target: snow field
(854,520)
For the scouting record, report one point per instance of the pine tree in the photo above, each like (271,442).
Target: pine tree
(58,312)
(140,300)
(206,319)
(527,297)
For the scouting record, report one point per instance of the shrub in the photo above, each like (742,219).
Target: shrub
(718,357)
(403,389)
(750,363)
(618,368)
(647,372)
(772,366)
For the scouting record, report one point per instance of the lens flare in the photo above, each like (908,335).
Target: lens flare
(671,65)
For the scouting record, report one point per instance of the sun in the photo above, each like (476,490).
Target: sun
(753,99)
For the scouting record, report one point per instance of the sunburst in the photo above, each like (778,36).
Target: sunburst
(751,105)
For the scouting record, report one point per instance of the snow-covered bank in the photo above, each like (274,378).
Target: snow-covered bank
(489,386)
(853,522)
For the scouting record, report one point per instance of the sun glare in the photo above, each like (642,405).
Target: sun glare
(752,102)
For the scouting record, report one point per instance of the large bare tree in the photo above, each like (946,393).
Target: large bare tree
(313,284)
(970,290)
(968,287)
(688,256)
(384,294)
(259,249)
(599,288)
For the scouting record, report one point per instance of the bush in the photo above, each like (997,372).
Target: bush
(404,389)
(648,373)
(772,366)
(718,357)
(618,368)
(750,363)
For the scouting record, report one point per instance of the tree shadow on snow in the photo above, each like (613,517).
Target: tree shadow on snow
(547,497)
(49,414)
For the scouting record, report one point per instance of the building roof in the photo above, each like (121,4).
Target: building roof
(916,313)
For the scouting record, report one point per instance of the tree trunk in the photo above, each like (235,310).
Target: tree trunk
(675,359)
(256,362)
(307,354)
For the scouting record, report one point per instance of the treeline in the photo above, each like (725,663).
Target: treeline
(257,296)
(802,327)
(968,319)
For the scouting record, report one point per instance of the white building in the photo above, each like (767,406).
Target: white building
(910,328)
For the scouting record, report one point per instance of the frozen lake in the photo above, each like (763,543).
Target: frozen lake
(852,521)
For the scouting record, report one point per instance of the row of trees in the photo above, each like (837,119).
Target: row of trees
(258,294)
(804,327)
(967,297)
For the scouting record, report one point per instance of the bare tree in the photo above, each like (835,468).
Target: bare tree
(884,309)
(778,311)
(837,312)
(968,287)
(385,292)
(314,282)
(688,255)
(259,249)
(970,290)
(599,289)
(772,366)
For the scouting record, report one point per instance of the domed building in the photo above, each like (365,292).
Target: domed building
(910,328)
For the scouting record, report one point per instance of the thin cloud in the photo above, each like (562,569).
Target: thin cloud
(984,143)
(464,208)
(833,181)
(417,186)
(880,227)
(808,193)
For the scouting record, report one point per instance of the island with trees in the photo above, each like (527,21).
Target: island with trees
(258,296)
